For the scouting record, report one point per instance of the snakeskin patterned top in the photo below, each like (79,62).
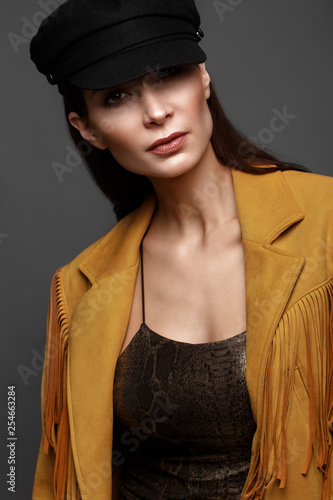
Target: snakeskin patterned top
(183,425)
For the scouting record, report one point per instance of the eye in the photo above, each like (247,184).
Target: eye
(115,97)
(168,72)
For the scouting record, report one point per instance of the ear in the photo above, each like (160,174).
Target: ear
(93,136)
(205,79)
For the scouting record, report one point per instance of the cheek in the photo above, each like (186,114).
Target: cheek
(116,133)
(197,104)
(120,140)
(110,130)
(201,117)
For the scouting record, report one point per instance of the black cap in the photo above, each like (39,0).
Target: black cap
(96,44)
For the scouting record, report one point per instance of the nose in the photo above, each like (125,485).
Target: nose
(156,109)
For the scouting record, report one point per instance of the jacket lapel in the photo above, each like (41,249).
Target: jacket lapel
(265,208)
(99,324)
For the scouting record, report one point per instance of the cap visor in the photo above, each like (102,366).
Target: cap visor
(127,66)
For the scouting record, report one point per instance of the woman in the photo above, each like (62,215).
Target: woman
(191,346)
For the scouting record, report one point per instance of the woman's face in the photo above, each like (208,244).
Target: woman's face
(168,106)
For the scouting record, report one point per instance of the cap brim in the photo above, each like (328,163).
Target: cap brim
(135,63)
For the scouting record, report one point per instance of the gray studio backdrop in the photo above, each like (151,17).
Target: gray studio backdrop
(268,58)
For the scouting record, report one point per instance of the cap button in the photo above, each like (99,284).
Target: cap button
(200,33)
(50,78)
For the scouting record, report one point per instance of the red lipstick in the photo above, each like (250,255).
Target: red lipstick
(169,144)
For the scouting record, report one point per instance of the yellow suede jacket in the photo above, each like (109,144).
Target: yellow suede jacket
(287,234)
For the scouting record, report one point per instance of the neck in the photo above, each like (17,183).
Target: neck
(197,202)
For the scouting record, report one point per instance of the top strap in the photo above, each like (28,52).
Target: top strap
(142,284)
(142,277)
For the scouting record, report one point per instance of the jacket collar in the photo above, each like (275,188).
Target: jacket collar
(265,206)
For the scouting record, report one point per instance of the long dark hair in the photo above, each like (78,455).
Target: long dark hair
(127,190)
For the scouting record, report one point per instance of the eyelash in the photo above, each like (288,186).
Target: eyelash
(162,74)
(108,100)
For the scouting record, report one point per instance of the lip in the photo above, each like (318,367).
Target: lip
(169,144)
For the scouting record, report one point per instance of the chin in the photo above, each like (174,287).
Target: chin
(171,171)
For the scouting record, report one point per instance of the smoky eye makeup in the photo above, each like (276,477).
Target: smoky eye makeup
(114,97)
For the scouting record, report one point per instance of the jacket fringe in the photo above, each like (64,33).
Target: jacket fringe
(56,420)
(309,321)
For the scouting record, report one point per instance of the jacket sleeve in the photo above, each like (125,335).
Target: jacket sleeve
(43,488)
(55,477)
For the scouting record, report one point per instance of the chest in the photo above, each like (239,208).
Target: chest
(192,297)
